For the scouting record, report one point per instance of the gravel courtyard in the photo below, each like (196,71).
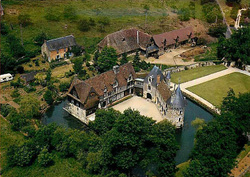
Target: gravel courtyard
(146,108)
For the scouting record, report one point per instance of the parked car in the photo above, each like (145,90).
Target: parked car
(6,77)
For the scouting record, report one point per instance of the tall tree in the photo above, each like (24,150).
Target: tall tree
(124,58)
(29,106)
(107,59)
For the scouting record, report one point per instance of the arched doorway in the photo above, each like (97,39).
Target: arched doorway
(149,96)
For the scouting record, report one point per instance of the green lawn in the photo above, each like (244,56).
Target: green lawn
(214,90)
(192,74)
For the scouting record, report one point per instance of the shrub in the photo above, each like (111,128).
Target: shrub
(69,13)
(87,64)
(25,154)
(45,158)
(48,97)
(64,86)
(24,19)
(184,14)
(84,25)
(217,30)
(17,120)
(23,60)
(29,89)
(52,15)
(6,109)
(20,69)
(15,93)
(68,74)
(17,84)
(56,64)
(30,130)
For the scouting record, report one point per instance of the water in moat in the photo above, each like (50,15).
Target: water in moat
(185,136)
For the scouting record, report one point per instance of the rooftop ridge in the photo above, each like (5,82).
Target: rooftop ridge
(60,38)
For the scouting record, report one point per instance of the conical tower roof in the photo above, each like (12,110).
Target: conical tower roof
(179,101)
(168,77)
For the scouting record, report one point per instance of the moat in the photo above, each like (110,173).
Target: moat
(184,136)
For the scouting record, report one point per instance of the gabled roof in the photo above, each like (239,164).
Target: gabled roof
(170,37)
(179,101)
(126,40)
(61,43)
(152,48)
(164,91)
(98,83)
(29,76)
(154,73)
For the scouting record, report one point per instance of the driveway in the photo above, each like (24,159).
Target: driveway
(146,108)
(171,58)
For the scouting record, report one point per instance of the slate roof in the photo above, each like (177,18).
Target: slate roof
(179,101)
(152,48)
(164,91)
(126,40)
(61,43)
(154,72)
(98,83)
(172,35)
(168,77)
(29,76)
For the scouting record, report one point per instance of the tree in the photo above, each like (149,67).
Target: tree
(135,140)
(24,19)
(124,59)
(45,158)
(29,106)
(236,48)
(217,30)
(17,50)
(40,38)
(107,59)
(84,24)
(52,15)
(219,142)
(48,76)
(76,50)
(20,69)
(233,1)
(48,97)
(69,13)
(198,123)
(104,121)
(184,14)
(103,22)
(7,63)
(78,65)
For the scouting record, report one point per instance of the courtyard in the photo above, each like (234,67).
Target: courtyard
(145,107)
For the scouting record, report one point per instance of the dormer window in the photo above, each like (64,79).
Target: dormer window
(123,39)
(150,79)
(57,51)
(130,78)
(105,89)
(115,84)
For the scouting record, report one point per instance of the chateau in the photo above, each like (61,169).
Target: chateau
(85,97)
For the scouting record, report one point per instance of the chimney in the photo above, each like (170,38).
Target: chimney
(116,69)
(137,37)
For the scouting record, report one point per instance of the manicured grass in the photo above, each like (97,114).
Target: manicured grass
(214,90)
(181,167)
(244,152)
(192,74)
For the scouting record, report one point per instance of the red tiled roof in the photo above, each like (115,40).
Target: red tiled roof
(172,35)
(126,40)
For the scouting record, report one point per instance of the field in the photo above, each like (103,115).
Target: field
(214,90)
(161,17)
(195,73)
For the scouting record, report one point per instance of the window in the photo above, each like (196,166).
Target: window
(57,57)
(150,79)
(92,94)
(57,51)
(149,87)
(64,49)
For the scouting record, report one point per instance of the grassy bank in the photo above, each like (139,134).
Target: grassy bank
(192,74)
